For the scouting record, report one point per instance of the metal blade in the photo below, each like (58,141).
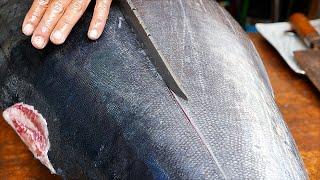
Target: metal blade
(156,57)
(309,61)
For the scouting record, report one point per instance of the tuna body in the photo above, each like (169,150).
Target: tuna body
(109,114)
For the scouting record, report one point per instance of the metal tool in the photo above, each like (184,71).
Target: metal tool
(156,57)
(309,60)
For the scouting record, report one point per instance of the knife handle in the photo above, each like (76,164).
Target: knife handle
(305,30)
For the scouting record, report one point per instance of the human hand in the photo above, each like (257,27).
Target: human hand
(54,20)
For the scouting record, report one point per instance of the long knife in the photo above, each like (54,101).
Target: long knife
(155,55)
(309,60)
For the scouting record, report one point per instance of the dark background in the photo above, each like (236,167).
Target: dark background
(249,12)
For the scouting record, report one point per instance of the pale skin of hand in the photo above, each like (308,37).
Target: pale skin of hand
(53,20)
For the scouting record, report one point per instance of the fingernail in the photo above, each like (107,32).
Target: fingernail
(57,35)
(38,42)
(93,34)
(28,29)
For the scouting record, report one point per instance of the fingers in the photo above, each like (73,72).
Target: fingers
(34,16)
(52,15)
(100,16)
(54,20)
(71,16)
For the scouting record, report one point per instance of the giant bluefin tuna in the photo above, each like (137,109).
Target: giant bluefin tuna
(100,109)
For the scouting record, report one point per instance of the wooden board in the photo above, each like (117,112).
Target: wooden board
(297,98)
(16,161)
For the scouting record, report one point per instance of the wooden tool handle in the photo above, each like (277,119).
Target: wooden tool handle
(301,25)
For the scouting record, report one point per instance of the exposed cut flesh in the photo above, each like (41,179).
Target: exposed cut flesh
(32,129)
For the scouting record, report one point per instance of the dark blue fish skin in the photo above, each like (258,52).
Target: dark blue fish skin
(110,115)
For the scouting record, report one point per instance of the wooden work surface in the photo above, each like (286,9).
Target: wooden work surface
(297,98)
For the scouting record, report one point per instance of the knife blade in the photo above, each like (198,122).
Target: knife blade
(308,60)
(159,61)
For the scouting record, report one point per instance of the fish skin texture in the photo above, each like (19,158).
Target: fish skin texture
(110,115)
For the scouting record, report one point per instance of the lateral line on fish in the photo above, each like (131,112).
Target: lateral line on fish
(206,144)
